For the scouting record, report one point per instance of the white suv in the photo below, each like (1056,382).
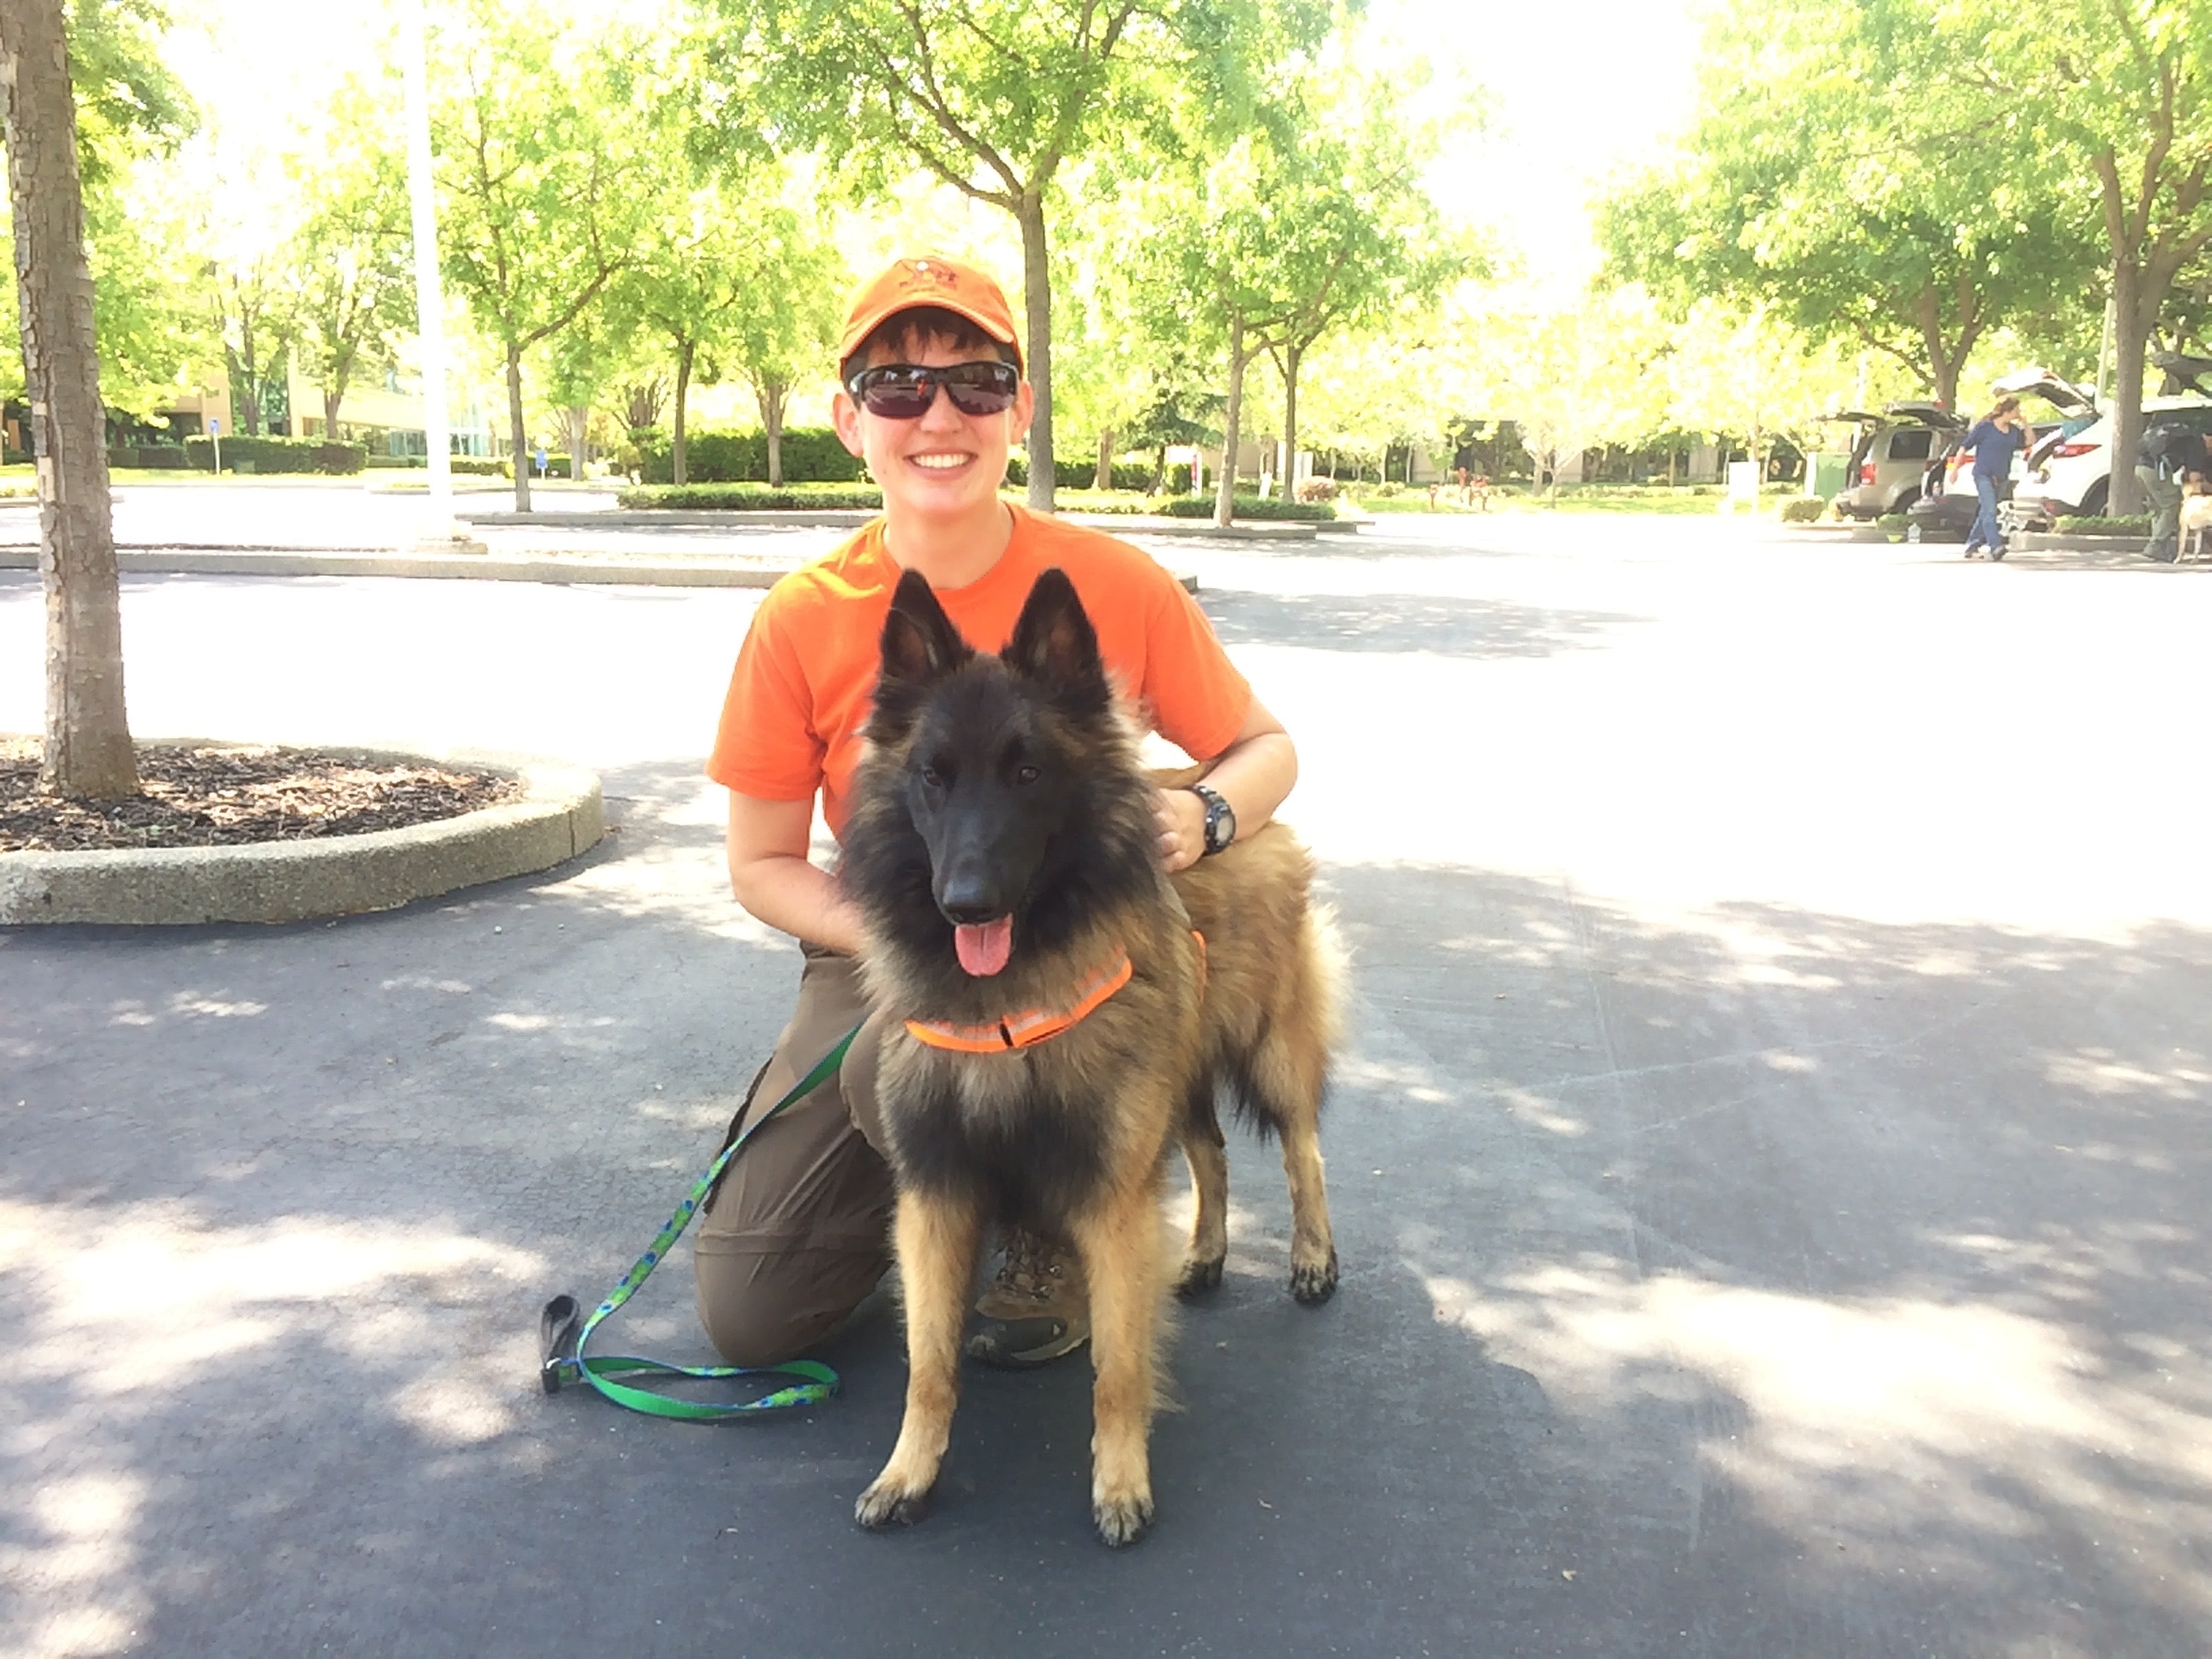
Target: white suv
(2072,478)
(1893,450)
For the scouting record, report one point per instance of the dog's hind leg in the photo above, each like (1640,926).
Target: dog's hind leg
(1285,1078)
(1121,1260)
(1204,1148)
(936,1240)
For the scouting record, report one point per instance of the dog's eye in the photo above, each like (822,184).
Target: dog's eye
(1026,774)
(932,777)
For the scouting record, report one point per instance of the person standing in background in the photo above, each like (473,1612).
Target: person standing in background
(1996,438)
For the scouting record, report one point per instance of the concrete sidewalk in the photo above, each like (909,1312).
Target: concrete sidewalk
(1768,1158)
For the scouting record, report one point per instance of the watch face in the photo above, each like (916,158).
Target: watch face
(1220,825)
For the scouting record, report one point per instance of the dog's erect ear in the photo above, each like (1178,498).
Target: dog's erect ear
(1054,642)
(919,643)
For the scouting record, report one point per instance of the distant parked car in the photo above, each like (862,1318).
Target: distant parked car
(1891,457)
(1945,509)
(2072,478)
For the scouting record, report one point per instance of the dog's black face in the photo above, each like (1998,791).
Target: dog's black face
(997,759)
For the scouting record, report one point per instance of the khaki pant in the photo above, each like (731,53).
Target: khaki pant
(799,1230)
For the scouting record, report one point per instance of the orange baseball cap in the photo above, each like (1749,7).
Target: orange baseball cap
(948,284)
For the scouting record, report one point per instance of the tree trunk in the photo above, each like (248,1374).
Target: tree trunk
(579,438)
(1225,492)
(685,353)
(1036,304)
(1945,369)
(1159,472)
(2131,342)
(1104,477)
(1292,354)
(518,439)
(773,395)
(332,397)
(88,751)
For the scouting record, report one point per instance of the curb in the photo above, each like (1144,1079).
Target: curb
(565,569)
(469,567)
(631,518)
(308,880)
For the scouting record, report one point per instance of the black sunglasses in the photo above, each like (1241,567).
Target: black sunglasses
(904,392)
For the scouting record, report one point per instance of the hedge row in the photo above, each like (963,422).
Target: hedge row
(465,466)
(1252,507)
(757,498)
(2135,526)
(1081,474)
(811,454)
(149,458)
(276,455)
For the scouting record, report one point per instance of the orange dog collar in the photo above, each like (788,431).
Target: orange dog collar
(1035,1025)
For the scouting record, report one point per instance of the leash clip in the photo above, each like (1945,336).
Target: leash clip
(558,1327)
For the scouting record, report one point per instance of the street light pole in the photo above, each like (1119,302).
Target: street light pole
(439,531)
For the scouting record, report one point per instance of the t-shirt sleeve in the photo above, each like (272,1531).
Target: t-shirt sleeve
(1198,699)
(767,746)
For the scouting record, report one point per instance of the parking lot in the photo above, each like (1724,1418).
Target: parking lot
(1768,1158)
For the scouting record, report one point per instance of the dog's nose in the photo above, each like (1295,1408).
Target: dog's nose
(971,913)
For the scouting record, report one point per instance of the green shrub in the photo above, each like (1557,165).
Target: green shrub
(1893,526)
(375,463)
(811,454)
(1252,507)
(1806,509)
(1317,489)
(743,497)
(149,458)
(478,466)
(258,455)
(2137,526)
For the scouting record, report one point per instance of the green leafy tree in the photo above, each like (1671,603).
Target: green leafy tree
(2117,102)
(784,324)
(994,98)
(539,159)
(1821,183)
(350,265)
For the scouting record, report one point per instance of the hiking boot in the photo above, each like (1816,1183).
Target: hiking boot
(1037,1310)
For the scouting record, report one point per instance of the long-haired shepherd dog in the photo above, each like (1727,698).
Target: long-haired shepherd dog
(1061,1012)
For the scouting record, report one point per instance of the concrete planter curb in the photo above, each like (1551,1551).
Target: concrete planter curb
(559,817)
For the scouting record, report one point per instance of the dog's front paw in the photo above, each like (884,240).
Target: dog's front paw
(1312,1283)
(1199,1277)
(891,1503)
(1123,1520)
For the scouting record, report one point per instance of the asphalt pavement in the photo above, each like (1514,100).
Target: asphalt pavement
(1768,1158)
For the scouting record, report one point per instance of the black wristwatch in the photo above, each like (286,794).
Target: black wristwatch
(1220,817)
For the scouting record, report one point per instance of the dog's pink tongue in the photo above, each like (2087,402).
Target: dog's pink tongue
(984,947)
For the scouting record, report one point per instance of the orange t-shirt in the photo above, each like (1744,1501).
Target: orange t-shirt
(806,675)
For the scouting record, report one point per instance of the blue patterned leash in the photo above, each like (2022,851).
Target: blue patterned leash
(563,1334)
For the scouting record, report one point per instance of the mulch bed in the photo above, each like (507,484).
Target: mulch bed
(226,796)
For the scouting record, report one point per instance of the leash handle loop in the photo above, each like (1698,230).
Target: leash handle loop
(563,1334)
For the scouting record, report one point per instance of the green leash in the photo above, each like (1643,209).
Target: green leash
(562,1337)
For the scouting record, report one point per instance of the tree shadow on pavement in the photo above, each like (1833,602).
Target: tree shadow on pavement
(1758,1281)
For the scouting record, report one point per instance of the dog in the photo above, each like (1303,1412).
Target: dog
(1060,1013)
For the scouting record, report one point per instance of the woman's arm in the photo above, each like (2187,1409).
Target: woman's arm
(1253,774)
(770,874)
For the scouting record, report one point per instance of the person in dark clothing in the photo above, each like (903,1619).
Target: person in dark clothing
(1996,438)
(2169,455)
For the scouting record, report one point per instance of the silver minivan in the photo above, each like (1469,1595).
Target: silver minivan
(1892,456)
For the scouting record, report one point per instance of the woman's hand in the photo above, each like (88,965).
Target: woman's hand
(1181,817)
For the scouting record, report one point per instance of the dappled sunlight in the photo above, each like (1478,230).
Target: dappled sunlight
(218,1290)
(1906,1428)
(156,1303)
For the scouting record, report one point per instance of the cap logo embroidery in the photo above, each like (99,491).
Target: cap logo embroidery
(921,273)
